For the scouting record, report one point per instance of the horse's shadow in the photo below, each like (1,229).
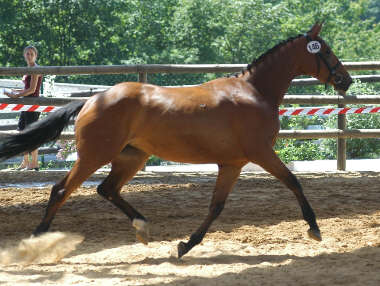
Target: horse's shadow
(350,268)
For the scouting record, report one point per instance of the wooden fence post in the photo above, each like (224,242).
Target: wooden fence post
(341,142)
(143,77)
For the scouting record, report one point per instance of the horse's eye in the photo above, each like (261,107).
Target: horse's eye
(328,52)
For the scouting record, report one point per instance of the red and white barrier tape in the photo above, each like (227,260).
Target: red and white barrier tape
(22,107)
(319,111)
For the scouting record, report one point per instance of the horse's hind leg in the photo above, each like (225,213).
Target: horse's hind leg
(271,163)
(124,167)
(226,179)
(62,190)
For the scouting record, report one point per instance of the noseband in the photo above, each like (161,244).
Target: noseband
(332,70)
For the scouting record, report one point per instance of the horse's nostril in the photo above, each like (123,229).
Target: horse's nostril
(338,79)
(343,82)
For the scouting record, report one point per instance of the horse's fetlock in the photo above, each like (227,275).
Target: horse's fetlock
(61,193)
(57,194)
(139,224)
(217,208)
(195,239)
(101,191)
(42,228)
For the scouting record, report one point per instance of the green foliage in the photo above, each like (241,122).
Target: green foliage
(66,147)
(56,165)
(154,161)
(373,10)
(292,150)
(356,148)
(97,32)
(298,150)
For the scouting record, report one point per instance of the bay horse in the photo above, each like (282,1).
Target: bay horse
(228,121)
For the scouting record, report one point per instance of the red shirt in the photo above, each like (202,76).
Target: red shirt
(26,79)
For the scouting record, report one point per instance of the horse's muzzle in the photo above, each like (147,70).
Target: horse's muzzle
(342,83)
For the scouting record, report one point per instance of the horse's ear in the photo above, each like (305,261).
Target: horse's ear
(316,29)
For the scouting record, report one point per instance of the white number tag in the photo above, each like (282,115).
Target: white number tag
(313,47)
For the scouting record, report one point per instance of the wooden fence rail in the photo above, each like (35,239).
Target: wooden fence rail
(153,68)
(142,70)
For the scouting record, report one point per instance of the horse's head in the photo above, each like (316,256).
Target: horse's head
(327,67)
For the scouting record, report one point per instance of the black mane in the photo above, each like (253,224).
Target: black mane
(258,60)
(271,51)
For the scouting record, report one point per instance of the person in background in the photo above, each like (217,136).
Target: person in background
(32,85)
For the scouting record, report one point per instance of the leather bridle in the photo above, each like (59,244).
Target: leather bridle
(332,69)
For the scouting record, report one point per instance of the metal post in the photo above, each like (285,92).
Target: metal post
(341,142)
(42,160)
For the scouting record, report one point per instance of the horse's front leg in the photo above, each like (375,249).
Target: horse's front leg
(226,178)
(272,164)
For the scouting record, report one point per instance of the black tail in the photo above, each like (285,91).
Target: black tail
(40,132)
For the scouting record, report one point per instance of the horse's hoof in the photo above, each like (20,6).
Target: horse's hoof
(39,231)
(182,249)
(143,237)
(314,234)
(142,231)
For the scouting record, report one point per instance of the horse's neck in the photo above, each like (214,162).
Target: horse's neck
(273,76)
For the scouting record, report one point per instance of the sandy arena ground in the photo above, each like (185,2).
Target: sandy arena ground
(260,238)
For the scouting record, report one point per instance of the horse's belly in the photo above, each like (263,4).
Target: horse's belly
(191,149)
(201,137)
